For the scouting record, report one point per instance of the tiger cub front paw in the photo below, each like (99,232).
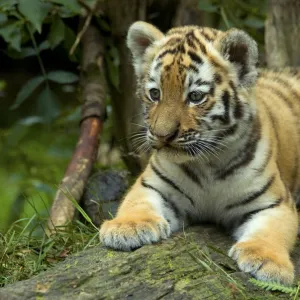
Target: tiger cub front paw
(128,233)
(263,261)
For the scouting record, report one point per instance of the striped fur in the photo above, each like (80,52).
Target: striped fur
(226,147)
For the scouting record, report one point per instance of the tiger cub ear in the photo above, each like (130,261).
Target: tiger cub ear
(241,50)
(140,36)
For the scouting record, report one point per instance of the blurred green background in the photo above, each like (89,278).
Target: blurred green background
(40,109)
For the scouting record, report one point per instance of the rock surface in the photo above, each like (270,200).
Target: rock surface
(103,193)
(173,269)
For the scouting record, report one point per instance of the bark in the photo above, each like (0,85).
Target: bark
(173,269)
(282,33)
(127,108)
(93,111)
(189,14)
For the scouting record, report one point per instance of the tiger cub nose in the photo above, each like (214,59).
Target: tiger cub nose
(168,137)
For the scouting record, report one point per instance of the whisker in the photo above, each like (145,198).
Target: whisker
(140,125)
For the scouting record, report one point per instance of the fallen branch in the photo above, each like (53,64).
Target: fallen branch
(93,112)
(189,265)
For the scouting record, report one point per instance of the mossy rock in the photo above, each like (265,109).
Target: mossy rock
(173,269)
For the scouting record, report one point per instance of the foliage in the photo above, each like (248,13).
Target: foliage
(273,286)
(34,156)
(247,15)
(23,254)
(22,22)
(38,141)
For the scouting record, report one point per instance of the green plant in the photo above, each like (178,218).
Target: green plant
(22,24)
(273,286)
(25,253)
(247,15)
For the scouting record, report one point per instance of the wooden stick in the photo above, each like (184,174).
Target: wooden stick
(93,112)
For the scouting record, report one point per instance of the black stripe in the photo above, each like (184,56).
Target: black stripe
(173,41)
(171,183)
(228,132)
(218,79)
(217,117)
(195,58)
(225,117)
(238,109)
(166,52)
(244,156)
(270,88)
(168,68)
(254,195)
(191,174)
(273,122)
(200,82)
(181,48)
(193,68)
(168,203)
(225,100)
(158,65)
(249,214)
(202,47)
(206,36)
(287,85)
(192,39)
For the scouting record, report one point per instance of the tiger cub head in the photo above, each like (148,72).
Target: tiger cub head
(194,83)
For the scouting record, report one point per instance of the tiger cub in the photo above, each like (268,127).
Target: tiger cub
(226,147)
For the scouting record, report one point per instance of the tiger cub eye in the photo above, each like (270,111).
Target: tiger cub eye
(196,97)
(154,94)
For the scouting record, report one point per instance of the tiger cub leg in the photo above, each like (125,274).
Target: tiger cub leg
(144,217)
(265,241)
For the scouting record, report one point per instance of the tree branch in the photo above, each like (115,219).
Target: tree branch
(93,113)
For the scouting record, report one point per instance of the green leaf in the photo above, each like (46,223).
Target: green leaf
(27,90)
(207,5)
(44,45)
(6,4)
(3,18)
(35,11)
(27,51)
(32,120)
(254,22)
(72,5)
(48,105)
(62,77)
(90,3)
(11,33)
(57,33)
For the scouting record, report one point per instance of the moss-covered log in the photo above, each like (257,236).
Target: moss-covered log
(190,265)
